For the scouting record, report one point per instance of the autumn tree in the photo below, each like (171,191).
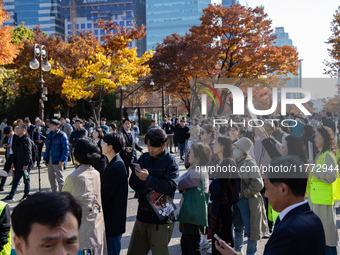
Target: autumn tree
(99,69)
(8,50)
(333,66)
(235,42)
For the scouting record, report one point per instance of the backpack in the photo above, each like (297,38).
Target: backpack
(34,150)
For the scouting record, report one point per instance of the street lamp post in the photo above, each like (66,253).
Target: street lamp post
(40,53)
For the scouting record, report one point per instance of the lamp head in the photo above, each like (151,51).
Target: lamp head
(34,64)
(152,84)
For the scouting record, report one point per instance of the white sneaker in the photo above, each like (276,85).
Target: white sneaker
(181,161)
(204,245)
(209,250)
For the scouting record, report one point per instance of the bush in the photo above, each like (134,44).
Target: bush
(146,123)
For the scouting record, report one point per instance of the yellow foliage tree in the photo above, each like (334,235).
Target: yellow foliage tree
(94,73)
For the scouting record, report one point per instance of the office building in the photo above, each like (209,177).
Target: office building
(122,12)
(282,38)
(46,13)
(165,17)
(227,3)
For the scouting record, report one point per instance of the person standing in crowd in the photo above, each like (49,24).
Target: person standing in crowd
(176,127)
(9,144)
(2,127)
(314,121)
(22,161)
(233,132)
(309,136)
(135,130)
(47,126)
(249,213)
(113,127)
(200,156)
(174,119)
(114,191)
(164,120)
(328,122)
(194,131)
(103,126)
(298,230)
(223,194)
(298,129)
(158,172)
(183,134)
(323,188)
(130,144)
(153,125)
(168,128)
(78,133)
(30,127)
(278,134)
(89,126)
(65,127)
(55,155)
(84,184)
(208,135)
(98,136)
(47,223)
(73,120)
(39,138)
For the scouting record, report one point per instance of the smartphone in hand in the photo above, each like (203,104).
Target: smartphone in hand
(137,166)
(218,238)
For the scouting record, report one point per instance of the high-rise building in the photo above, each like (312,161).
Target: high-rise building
(227,3)
(165,17)
(46,13)
(282,38)
(123,12)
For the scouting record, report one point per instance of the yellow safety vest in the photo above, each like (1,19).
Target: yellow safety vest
(7,247)
(320,192)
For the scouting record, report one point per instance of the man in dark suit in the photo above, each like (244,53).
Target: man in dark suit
(9,144)
(130,144)
(329,122)
(39,138)
(297,229)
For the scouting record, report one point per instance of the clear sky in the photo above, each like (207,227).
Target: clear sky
(308,24)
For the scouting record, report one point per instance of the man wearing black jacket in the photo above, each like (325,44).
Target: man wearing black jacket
(329,122)
(9,144)
(182,134)
(158,172)
(169,130)
(22,161)
(130,145)
(39,138)
(114,192)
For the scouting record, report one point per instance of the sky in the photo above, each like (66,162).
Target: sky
(308,24)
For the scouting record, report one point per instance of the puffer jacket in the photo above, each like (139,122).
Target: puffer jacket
(59,148)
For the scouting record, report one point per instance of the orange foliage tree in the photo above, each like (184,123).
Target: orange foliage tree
(235,42)
(8,50)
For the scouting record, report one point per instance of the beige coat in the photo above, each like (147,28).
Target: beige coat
(251,186)
(84,185)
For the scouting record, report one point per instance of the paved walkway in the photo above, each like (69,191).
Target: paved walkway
(174,245)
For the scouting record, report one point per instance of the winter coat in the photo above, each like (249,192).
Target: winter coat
(59,148)
(251,186)
(84,184)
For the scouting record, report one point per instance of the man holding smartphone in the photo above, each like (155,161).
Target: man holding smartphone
(158,171)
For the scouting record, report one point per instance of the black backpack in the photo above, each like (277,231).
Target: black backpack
(34,150)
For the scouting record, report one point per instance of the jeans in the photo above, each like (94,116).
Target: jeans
(18,173)
(242,224)
(331,250)
(113,244)
(181,147)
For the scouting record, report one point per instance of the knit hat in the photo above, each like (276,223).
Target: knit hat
(245,144)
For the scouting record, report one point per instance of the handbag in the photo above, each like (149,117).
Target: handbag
(194,208)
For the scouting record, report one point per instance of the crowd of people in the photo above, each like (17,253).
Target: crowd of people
(233,204)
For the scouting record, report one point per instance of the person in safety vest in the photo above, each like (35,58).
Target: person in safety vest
(324,185)
(5,229)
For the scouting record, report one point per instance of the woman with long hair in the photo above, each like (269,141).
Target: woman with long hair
(223,193)
(323,186)
(98,136)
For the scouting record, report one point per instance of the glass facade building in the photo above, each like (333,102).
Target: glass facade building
(165,17)
(227,3)
(122,12)
(46,13)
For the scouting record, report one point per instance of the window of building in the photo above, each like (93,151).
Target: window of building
(89,17)
(77,26)
(121,23)
(102,32)
(129,15)
(68,27)
(96,32)
(69,19)
(116,16)
(128,23)
(102,38)
(83,26)
(95,16)
(69,33)
(89,25)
